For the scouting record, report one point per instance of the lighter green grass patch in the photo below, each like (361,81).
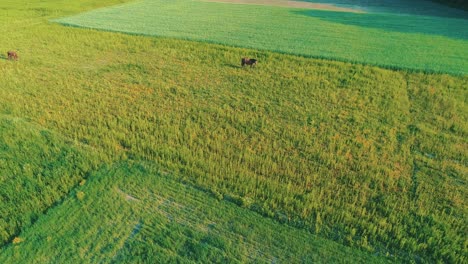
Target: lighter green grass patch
(427,43)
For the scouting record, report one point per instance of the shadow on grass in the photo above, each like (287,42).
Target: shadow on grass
(233,66)
(448,27)
(414,7)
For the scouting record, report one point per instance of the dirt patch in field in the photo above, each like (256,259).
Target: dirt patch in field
(292,4)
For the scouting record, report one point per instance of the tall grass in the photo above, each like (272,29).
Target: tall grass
(131,213)
(372,158)
(428,43)
(37,169)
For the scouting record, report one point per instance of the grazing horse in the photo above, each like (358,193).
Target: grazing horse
(12,55)
(247,61)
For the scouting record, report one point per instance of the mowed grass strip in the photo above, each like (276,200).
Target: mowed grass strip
(132,213)
(436,44)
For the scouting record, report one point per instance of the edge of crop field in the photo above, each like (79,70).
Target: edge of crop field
(320,57)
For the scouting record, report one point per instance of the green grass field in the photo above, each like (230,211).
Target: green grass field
(416,7)
(428,43)
(372,160)
(147,216)
(37,168)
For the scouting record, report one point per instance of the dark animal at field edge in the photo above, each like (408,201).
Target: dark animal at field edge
(12,55)
(247,61)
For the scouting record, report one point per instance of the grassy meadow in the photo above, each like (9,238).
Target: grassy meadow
(393,40)
(438,8)
(37,168)
(147,216)
(373,160)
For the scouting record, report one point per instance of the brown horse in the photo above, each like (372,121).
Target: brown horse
(247,61)
(12,55)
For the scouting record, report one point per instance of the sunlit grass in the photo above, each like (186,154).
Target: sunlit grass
(132,213)
(428,43)
(371,158)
